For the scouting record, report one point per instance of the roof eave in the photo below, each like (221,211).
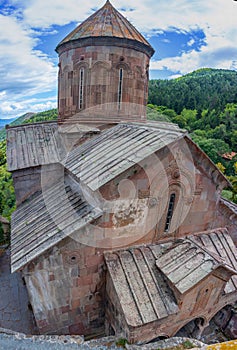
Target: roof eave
(103,41)
(221,175)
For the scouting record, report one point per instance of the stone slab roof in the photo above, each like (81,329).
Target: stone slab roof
(98,160)
(106,22)
(45,220)
(220,243)
(230,205)
(33,145)
(143,294)
(186,264)
(101,159)
(139,274)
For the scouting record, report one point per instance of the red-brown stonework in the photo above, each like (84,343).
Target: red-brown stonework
(100,73)
(65,302)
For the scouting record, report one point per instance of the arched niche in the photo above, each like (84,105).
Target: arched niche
(100,83)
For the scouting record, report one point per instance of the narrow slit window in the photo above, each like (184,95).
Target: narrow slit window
(120,88)
(81,88)
(170,212)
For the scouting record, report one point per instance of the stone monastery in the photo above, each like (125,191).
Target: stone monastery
(120,227)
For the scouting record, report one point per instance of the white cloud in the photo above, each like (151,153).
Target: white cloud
(9,109)
(21,67)
(24,71)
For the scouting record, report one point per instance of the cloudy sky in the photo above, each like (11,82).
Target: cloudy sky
(187,35)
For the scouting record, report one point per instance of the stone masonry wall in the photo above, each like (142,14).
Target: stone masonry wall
(28,181)
(136,203)
(89,78)
(66,290)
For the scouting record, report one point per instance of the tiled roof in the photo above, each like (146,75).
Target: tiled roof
(220,243)
(229,156)
(142,292)
(101,159)
(186,264)
(45,220)
(33,145)
(106,22)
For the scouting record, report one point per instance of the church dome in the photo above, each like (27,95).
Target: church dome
(107,23)
(103,71)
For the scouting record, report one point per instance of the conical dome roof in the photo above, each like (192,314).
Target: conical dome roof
(107,22)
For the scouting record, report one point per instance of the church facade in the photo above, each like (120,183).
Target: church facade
(120,227)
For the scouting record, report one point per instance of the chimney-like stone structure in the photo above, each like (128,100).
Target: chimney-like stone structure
(103,71)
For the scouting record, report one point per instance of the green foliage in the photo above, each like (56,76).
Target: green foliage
(1,234)
(122,342)
(158,113)
(221,167)
(227,194)
(49,115)
(7,195)
(212,147)
(233,180)
(3,153)
(187,344)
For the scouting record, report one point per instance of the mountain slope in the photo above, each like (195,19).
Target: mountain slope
(202,89)
(31,118)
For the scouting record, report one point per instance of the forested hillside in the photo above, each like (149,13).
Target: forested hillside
(202,89)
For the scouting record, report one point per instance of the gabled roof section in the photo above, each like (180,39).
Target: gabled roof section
(45,220)
(142,292)
(186,264)
(219,242)
(106,22)
(33,145)
(145,277)
(101,159)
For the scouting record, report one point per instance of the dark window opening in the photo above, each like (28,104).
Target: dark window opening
(170,212)
(120,87)
(81,88)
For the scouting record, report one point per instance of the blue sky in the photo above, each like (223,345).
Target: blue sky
(186,34)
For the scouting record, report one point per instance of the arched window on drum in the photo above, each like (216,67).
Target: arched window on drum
(120,88)
(170,211)
(81,98)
